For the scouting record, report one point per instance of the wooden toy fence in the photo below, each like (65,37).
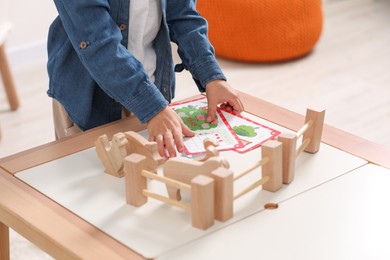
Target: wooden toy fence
(211,193)
(271,164)
(201,190)
(209,181)
(310,132)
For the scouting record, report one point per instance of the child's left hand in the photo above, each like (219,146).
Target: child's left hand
(220,92)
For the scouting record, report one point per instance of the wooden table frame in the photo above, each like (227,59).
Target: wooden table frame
(62,234)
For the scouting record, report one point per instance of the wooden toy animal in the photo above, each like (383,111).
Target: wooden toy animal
(185,170)
(112,154)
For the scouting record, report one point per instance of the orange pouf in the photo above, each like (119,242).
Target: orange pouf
(262,30)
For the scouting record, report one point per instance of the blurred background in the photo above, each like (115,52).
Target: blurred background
(347,73)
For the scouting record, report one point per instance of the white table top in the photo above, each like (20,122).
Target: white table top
(345,218)
(78,183)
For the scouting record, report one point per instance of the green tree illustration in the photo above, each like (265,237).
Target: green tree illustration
(245,130)
(195,118)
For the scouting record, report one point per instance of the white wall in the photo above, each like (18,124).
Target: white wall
(26,43)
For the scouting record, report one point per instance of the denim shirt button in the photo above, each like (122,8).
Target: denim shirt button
(83,45)
(122,26)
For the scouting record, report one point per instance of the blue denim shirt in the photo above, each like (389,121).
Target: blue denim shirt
(92,73)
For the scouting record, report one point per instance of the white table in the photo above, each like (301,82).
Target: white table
(345,218)
(63,233)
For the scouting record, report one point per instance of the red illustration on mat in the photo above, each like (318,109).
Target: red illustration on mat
(251,133)
(231,131)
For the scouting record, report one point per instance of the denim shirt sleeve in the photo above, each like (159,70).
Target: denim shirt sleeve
(96,39)
(189,31)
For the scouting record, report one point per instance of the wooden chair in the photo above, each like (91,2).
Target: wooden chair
(5,70)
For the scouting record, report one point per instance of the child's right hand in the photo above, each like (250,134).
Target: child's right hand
(167,129)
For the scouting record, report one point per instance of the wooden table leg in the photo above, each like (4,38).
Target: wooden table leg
(8,81)
(4,242)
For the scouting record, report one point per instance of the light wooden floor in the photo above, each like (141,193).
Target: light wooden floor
(347,73)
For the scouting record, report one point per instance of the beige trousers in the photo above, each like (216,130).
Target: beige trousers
(64,126)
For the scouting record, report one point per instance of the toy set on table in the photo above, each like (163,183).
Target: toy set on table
(208,180)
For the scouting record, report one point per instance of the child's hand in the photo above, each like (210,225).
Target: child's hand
(220,92)
(167,129)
